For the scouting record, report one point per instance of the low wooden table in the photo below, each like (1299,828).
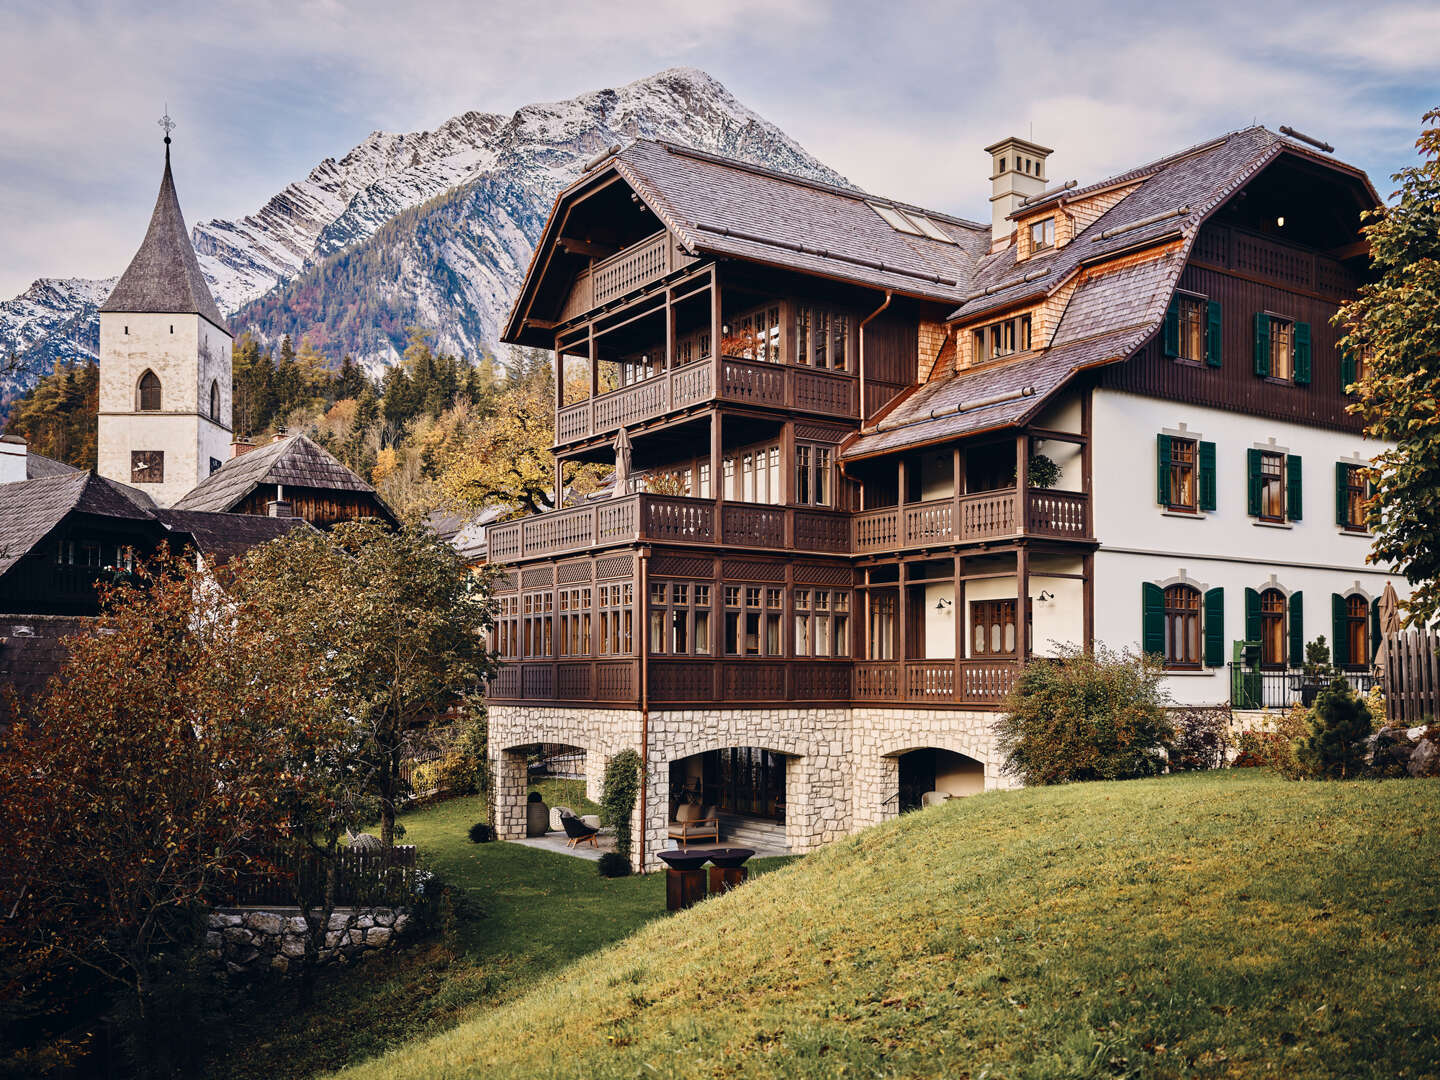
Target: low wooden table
(725,878)
(683,888)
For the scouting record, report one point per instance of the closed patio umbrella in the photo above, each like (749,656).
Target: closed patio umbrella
(1389,621)
(622,464)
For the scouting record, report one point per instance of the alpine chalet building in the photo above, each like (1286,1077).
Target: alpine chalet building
(874,457)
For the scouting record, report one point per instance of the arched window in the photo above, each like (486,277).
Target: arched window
(1182,626)
(1272,628)
(1356,646)
(149,392)
(215,400)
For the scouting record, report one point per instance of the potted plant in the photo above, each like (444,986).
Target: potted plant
(1316,672)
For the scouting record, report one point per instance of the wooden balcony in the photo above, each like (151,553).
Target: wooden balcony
(988,515)
(629,269)
(740,381)
(672,520)
(980,683)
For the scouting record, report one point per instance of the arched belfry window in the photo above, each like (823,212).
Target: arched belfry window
(149,392)
(215,400)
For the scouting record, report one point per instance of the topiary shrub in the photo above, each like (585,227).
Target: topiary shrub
(1202,738)
(1334,749)
(1086,716)
(481,833)
(613,864)
(622,787)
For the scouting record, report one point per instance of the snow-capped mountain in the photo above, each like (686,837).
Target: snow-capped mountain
(432,228)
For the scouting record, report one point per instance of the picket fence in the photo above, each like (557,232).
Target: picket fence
(1412,677)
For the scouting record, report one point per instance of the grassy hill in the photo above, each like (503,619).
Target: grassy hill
(1229,924)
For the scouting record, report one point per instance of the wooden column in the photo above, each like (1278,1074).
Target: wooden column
(1022,604)
(1022,482)
(961,624)
(715,327)
(902,613)
(1086,483)
(1087,567)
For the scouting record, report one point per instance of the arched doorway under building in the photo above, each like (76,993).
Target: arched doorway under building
(931,769)
(740,781)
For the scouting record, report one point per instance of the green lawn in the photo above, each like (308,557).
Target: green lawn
(522,916)
(1222,925)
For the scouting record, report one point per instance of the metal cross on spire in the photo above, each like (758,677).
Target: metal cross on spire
(166,123)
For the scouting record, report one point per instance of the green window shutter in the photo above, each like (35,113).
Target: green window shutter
(1172,327)
(1339,626)
(1342,492)
(1252,489)
(1302,353)
(1294,490)
(1252,615)
(1297,629)
(1162,469)
(1374,629)
(1262,344)
(1207,476)
(1152,619)
(1347,370)
(1215,628)
(1213,329)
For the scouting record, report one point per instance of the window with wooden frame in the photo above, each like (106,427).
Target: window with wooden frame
(1352,618)
(822,622)
(536,609)
(679,618)
(822,337)
(617,618)
(1353,492)
(753,620)
(1004,338)
(751,474)
(1042,234)
(574,621)
(1274,486)
(1272,628)
(1185,474)
(1182,627)
(1282,348)
(148,392)
(1193,330)
(507,626)
(754,335)
(814,484)
(692,347)
(992,628)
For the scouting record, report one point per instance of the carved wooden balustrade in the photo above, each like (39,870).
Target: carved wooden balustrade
(957,682)
(987,515)
(627,270)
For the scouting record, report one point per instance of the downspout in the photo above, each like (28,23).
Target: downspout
(644,613)
(889,295)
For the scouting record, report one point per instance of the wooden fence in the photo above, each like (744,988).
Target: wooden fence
(361,878)
(1412,677)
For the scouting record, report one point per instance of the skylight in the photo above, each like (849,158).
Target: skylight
(911,222)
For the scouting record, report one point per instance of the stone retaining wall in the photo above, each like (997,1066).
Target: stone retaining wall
(252,941)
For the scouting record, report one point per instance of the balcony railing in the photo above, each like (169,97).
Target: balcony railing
(629,269)
(1279,688)
(669,519)
(745,382)
(958,682)
(986,515)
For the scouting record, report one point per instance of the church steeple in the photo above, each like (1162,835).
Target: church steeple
(164,276)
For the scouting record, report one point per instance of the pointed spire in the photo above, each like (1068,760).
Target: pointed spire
(164,276)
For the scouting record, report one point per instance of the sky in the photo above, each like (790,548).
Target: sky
(900,97)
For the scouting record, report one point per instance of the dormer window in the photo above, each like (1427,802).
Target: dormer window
(911,222)
(1002,338)
(1042,234)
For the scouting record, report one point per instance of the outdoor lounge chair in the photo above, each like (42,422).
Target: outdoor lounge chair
(692,823)
(578,831)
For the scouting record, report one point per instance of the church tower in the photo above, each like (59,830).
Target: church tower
(165,420)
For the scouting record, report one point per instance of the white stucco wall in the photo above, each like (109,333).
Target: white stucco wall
(1140,542)
(186,353)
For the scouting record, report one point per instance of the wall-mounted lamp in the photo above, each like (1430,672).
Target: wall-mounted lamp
(1280,221)
(943,603)
(1045,595)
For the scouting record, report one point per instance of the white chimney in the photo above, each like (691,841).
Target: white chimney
(1017,171)
(13,452)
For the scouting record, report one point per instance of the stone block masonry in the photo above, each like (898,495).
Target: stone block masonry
(842,770)
(253,941)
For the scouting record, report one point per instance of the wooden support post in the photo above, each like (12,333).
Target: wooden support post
(1086,412)
(717,483)
(716,325)
(961,624)
(1022,481)
(1087,566)
(1022,605)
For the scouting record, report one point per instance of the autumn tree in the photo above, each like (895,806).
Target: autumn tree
(1394,326)
(400,622)
(57,416)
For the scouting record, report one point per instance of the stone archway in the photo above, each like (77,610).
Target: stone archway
(927,770)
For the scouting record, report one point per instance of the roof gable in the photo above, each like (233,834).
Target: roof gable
(31,509)
(296,461)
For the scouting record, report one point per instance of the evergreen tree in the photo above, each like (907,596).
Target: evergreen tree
(1339,726)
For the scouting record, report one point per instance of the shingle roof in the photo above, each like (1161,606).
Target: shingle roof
(38,466)
(295,460)
(29,510)
(221,537)
(164,275)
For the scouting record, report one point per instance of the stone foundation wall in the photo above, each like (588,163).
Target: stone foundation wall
(842,772)
(252,941)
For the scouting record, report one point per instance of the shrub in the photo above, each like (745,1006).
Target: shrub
(1274,748)
(1086,716)
(613,864)
(622,786)
(481,833)
(1334,748)
(1202,737)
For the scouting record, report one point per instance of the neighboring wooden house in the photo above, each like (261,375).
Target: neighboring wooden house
(289,477)
(825,577)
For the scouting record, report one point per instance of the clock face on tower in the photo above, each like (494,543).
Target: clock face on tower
(147,466)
